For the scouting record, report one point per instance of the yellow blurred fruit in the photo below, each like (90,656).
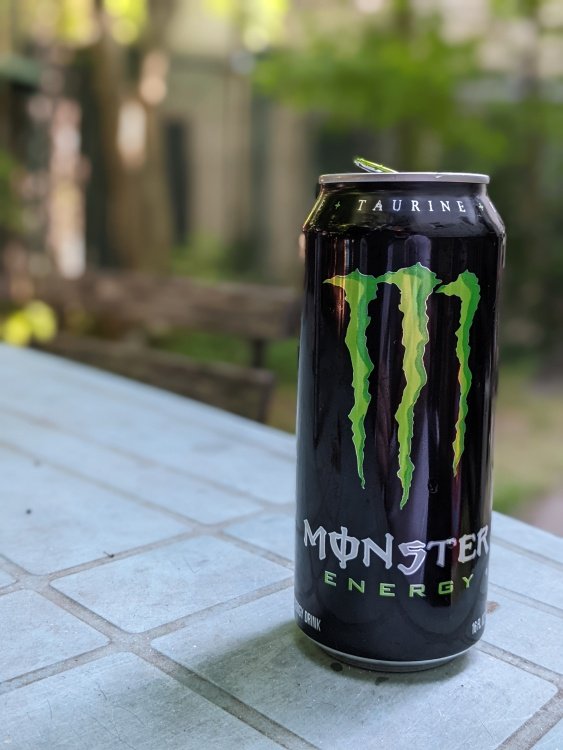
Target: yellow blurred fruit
(42,321)
(16,329)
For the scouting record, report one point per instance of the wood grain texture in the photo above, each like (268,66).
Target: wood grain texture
(251,311)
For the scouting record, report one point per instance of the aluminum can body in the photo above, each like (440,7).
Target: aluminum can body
(397,377)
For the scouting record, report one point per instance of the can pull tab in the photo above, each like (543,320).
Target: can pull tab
(371,166)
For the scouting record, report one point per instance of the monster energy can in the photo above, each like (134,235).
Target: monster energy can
(397,377)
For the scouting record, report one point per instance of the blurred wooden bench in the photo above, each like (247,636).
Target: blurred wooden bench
(125,302)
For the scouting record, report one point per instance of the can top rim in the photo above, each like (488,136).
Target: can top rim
(467,177)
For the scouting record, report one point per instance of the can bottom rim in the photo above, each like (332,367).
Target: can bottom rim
(381,665)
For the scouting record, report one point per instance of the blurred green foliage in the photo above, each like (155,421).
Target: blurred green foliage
(206,257)
(528,463)
(378,78)
(10,213)
(74,22)
(281,356)
(203,257)
(429,104)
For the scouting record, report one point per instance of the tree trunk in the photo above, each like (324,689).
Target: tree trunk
(139,221)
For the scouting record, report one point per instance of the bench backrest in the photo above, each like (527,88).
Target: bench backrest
(254,312)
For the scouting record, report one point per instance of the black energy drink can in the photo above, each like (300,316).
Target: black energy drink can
(397,377)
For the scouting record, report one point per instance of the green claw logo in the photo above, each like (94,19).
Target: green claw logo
(415,284)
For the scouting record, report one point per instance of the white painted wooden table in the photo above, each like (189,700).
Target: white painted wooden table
(146,592)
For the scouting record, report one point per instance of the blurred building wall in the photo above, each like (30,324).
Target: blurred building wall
(249,177)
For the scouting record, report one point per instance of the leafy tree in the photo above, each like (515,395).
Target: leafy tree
(395,74)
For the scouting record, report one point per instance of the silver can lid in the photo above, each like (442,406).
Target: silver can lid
(467,177)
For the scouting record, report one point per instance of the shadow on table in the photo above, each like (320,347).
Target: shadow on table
(314,654)
(284,656)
